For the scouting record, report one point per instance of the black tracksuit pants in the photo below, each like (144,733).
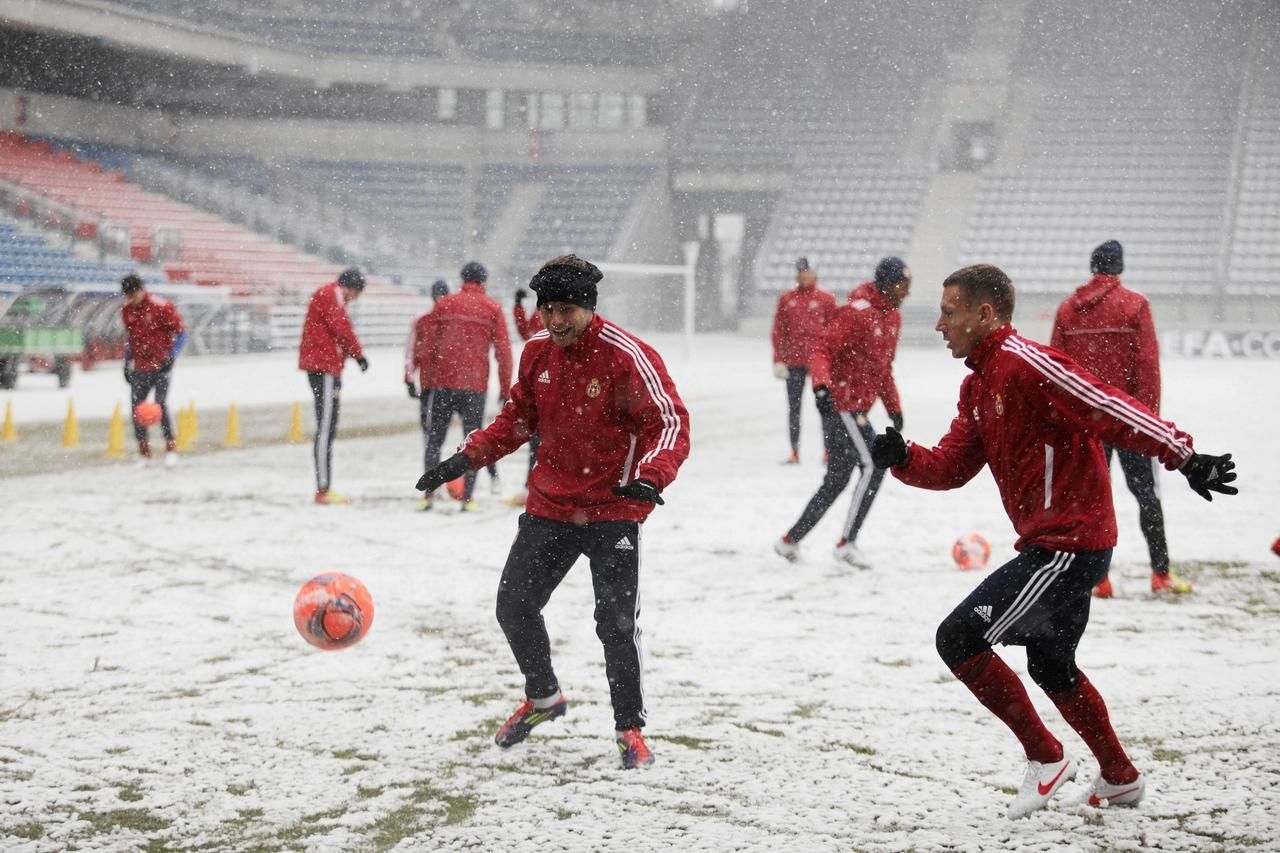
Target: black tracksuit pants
(326,389)
(437,408)
(848,437)
(1140,475)
(140,385)
(540,557)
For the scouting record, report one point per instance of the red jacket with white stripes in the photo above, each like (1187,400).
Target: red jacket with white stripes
(854,356)
(607,413)
(327,335)
(152,325)
(1039,421)
(1108,329)
(802,314)
(527,324)
(453,341)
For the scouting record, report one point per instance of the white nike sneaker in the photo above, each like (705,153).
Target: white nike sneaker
(847,552)
(1041,782)
(1103,794)
(787,550)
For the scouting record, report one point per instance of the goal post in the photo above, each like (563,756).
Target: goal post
(687,271)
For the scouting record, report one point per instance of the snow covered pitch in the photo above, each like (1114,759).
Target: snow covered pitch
(155,695)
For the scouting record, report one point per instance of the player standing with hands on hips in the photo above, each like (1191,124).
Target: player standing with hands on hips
(1039,421)
(328,338)
(614,432)
(155,337)
(802,315)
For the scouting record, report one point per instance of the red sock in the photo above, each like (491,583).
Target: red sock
(1083,709)
(998,689)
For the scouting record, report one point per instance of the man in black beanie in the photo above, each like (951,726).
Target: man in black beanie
(1108,329)
(614,433)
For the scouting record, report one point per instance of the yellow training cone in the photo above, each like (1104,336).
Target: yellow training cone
(115,435)
(295,425)
(71,429)
(10,432)
(183,438)
(233,427)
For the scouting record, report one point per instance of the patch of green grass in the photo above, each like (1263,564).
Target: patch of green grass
(31,831)
(1160,753)
(139,820)
(129,794)
(217,659)
(85,787)
(751,727)
(240,790)
(690,742)
(565,814)
(220,618)
(899,663)
(116,750)
(807,710)
(363,793)
(851,747)
(479,699)
(353,769)
(346,754)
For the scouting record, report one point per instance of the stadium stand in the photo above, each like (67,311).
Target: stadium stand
(1254,270)
(29,259)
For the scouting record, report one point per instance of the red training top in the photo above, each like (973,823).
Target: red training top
(452,347)
(854,355)
(1108,329)
(152,325)
(802,314)
(327,335)
(1039,420)
(607,413)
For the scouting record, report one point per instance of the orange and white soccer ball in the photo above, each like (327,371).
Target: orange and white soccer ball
(147,413)
(333,611)
(971,552)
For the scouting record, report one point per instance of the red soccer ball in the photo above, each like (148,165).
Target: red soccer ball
(333,611)
(971,552)
(147,413)
(457,488)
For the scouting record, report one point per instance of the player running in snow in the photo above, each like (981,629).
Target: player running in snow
(851,366)
(328,338)
(802,315)
(1107,328)
(1038,420)
(155,337)
(614,433)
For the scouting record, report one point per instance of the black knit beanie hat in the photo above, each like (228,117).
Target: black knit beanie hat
(567,278)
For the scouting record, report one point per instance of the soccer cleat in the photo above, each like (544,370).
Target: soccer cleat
(1103,589)
(424,504)
(519,724)
(170,459)
(847,552)
(469,506)
(1169,583)
(635,752)
(1041,782)
(1103,794)
(787,549)
(142,462)
(793,459)
(517,499)
(328,497)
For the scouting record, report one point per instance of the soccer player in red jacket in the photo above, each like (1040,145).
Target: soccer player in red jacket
(328,339)
(1107,328)
(1039,420)
(851,366)
(155,337)
(802,314)
(452,347)
(614,433)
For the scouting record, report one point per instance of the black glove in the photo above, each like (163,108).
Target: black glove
(822,396)
(166,365)
(640,490)
(450,469)
(128,373)
(363,362)
(889,449)
(521,293)
(1208,474)
(413,389)
(896,417)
